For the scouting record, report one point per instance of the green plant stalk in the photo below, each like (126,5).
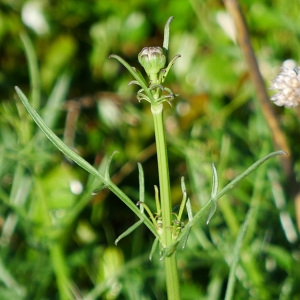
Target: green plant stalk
(172,281)
(170,263)
(58,261)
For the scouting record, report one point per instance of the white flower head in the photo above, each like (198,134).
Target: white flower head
(287,83)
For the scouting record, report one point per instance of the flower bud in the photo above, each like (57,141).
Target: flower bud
(152,59)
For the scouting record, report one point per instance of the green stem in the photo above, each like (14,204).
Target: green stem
(171,271)
(60,270)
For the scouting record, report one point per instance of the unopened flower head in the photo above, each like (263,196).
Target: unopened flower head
(152,59)
(287,83)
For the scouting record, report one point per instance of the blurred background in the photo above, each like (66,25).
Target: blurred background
(55,234)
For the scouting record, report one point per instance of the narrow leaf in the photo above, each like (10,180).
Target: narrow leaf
(108,163)
(184,199)
(153,248)
(185,238)
(214,191)
(227,188)
(239,178)
(81,162)
(189,209)
(136,75)
(55,140)
(34,75)
(167,35)
(129,231)
(142,186)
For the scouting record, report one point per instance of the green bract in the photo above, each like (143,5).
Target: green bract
(152,59)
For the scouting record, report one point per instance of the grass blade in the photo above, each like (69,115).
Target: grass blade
(235,257)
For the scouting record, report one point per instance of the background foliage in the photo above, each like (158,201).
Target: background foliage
(46,200)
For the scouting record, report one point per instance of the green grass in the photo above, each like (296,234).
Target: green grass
(55,241)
